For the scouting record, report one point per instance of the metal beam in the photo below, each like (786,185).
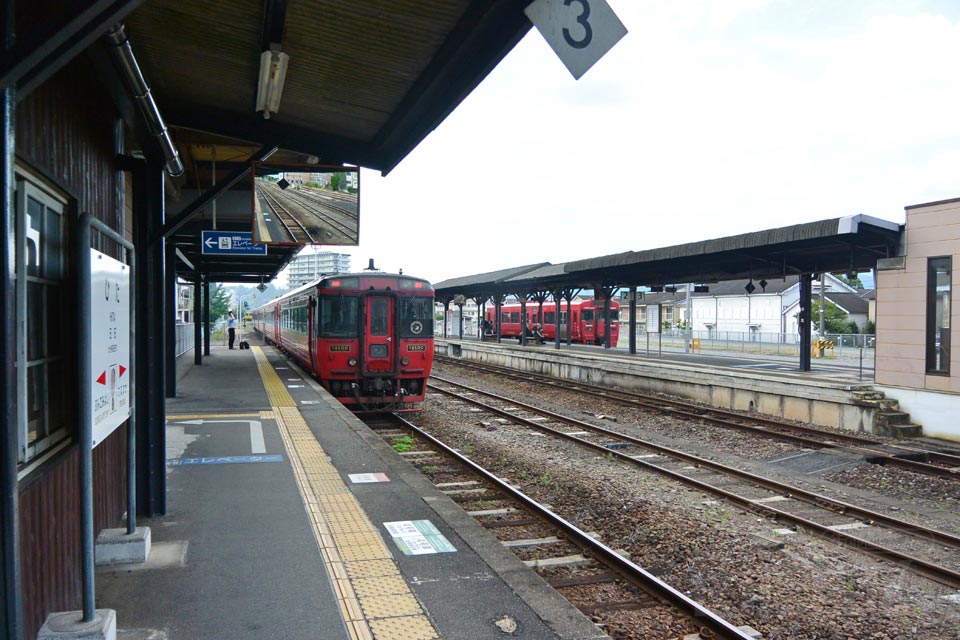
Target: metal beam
(274,19)
(250,127)
(170,319)
(215,192)
(150,410)
(11,609)
(32,60)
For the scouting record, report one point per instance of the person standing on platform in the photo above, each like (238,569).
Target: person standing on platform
(232,328)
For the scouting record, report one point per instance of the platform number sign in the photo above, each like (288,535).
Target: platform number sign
(579,31)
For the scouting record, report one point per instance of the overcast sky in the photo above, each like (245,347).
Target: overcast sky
(709,119)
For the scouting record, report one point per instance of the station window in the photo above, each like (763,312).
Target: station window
(45,358)
(939,281)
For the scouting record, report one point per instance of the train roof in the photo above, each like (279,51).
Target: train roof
(336,276)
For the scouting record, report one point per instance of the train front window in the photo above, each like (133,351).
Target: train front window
(587,315)
(614,315)
(416,317)
(339,317)
(379,316)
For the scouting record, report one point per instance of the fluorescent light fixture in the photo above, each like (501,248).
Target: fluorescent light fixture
(273,71)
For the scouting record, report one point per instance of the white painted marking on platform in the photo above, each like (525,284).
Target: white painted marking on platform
(295,386)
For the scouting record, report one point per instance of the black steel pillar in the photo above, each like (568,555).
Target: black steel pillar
(460,330)
(523,319)
(150,410)
(10,591)
(633,320)
(206,316)
(497,304)
(803,319)
(170,318)
(446,312)
(197,313)
(557,300)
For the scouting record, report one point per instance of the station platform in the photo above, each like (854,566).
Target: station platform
(832,395)
(288,518)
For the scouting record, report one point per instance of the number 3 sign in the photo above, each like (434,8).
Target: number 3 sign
(579,31)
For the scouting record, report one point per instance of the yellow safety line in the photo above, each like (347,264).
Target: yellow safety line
(375,601)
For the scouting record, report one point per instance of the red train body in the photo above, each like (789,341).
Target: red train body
(588,325)
(368,338)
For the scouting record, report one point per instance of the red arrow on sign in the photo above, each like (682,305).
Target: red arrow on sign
(103,378)
(123,369)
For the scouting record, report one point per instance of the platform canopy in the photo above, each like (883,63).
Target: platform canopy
(838,245)
(365,83)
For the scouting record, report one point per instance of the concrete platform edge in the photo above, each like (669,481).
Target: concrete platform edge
(557,612)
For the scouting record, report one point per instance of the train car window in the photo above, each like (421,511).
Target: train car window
(515,317)
(549,317)
(614,315)
(504,317)
(587,315)
(379,316)
(416,317)
(339,317)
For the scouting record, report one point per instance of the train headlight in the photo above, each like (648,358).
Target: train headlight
(352,362)
(404,361)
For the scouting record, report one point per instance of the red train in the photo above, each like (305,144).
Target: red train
(588,325)
(368,338)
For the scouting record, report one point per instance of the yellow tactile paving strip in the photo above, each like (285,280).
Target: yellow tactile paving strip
(374,599)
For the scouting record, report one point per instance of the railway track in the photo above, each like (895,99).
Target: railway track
(339,219)
(292,225)
(602,582)
(925,551)
(917,460)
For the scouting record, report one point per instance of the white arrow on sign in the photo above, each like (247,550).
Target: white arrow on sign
(256,431)
(209,242)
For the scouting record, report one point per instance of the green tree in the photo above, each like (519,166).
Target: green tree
(853,282)
(335,181)
(834,318)
(220,302)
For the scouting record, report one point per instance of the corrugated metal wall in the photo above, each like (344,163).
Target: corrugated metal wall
(65,131)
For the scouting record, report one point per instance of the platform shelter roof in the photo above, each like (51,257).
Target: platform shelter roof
(365,83)
(847,244)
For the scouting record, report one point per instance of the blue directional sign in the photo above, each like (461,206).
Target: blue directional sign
(231,243)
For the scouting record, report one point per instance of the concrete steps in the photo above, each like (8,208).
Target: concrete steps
(888,419)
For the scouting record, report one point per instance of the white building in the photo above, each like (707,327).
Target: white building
(770,308)
(310,265)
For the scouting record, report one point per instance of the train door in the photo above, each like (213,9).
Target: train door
(311,332)
(276,324)
(380,345)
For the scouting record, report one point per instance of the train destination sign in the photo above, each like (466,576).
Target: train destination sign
(300,204)
(231,243)
(580,32)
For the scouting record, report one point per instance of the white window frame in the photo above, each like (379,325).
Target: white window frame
(30,185)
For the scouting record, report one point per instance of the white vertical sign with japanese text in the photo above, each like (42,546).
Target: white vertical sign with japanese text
(109,344)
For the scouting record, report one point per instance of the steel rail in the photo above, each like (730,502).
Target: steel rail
(919,565)
(323,209)
(636,574)
(276,206)
(730,419)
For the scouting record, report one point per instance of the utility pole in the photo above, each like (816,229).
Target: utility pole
(822,307)
(689,332)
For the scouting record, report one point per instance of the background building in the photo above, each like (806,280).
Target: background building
(915,328)
(309,266)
